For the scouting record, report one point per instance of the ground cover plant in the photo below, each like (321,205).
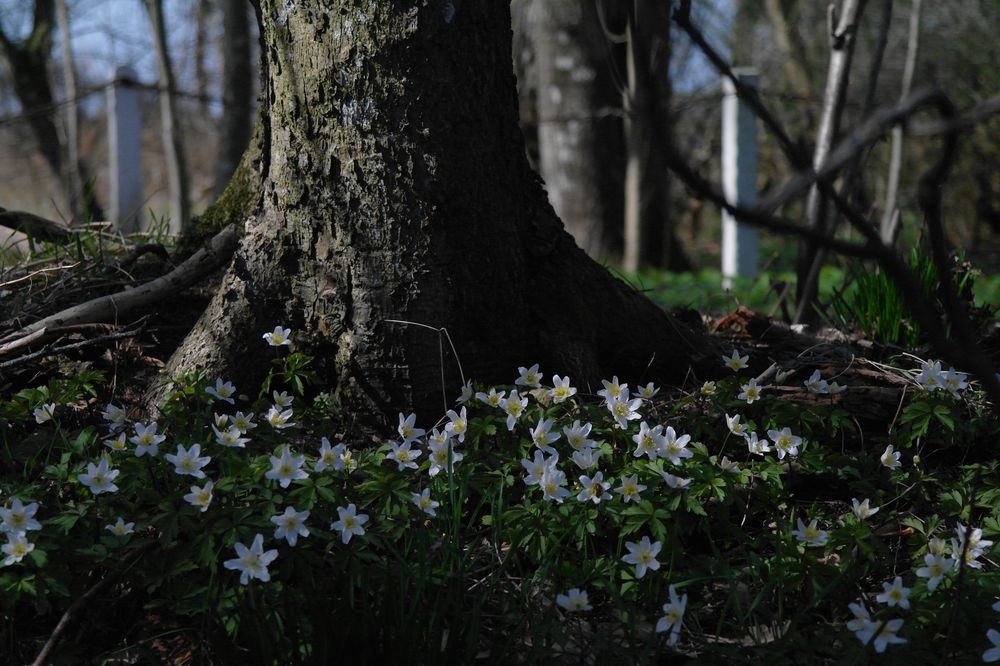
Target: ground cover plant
(740,518)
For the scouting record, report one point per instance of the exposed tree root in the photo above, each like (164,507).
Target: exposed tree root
(113,307)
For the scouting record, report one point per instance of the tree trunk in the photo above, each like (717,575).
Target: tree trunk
(579,126)
(237,94)
(72,113)
(395,186)
(173,144)
(843,33)
(649,233)
(29,68)
(202,13)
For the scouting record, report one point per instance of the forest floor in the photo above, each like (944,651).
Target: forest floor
(951,477)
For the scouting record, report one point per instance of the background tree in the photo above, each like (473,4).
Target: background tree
(579,125)
(649,232)
(395,187)
(28,61)
(237,89)
(173,144)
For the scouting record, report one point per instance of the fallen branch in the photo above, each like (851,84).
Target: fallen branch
(112,307)
(34,226)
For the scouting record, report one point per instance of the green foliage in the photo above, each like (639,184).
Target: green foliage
(480,578)
(873,303)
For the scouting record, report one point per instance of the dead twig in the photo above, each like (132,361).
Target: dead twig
(52,351)
(40,271)
(10,343)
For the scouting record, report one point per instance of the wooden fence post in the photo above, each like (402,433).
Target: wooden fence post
(739,179)
(125,149)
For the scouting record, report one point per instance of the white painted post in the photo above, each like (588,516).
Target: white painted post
(125,149)
(739,179)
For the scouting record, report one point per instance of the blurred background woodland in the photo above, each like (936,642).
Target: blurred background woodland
(614,98)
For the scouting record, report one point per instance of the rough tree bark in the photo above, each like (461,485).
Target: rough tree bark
(395,186)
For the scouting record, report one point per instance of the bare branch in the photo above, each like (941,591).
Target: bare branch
(977,114)
(876,125)
(682,17)
(759,216)
(966,352)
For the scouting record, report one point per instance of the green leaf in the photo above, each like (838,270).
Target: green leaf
(943,415)
(694,506)
(915,523)
(65,521)
(327,494)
